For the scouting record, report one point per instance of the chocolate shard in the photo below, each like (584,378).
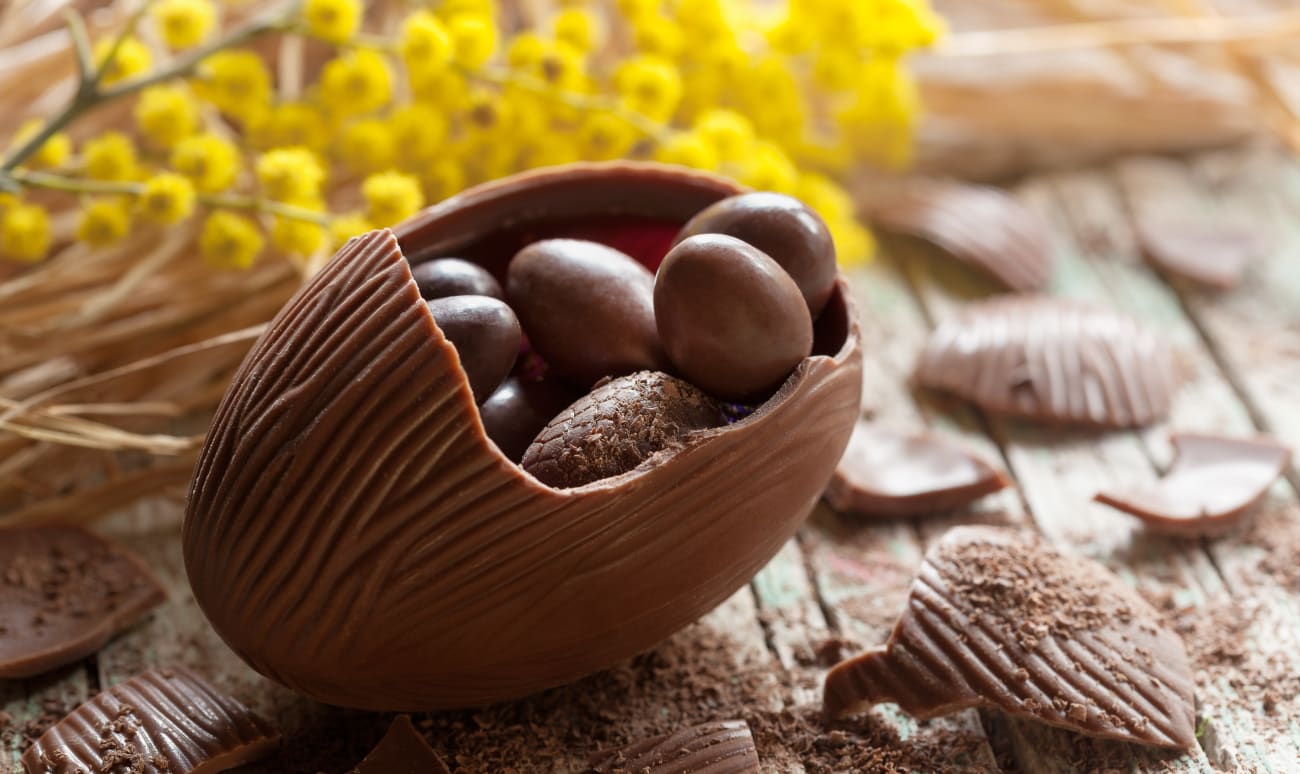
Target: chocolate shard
(888,473)
(1213,254)
(164,720)
(64,593)
(725,747)
(979,225)
(1214,481)
(1053,360)
(996,618)
(403,750)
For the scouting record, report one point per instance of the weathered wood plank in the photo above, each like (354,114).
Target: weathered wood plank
(862,570)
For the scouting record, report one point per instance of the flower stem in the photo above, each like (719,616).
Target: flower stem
(501,76)
(53,182)
(91,93)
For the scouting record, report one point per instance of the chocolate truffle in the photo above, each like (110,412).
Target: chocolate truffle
(616,427)
(997,618)
(443,277)
(588,309)
(783,227)
(732,321)
(487,337)
(520,408)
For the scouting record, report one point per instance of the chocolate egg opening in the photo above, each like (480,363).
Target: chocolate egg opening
(352,532)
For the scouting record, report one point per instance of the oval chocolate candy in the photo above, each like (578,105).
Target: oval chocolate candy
(445,277)
(486,334)
(588,309)
(616,427)
(520,408)
(731,319)
(783,227)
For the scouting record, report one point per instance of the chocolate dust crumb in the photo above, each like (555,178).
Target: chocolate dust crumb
(1034,593)
(1276,530)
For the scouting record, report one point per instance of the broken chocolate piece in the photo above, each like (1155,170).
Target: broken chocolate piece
(164,720)
(1213,254)
(1212,482)
(999,619)
(709,748)
(887,472)
(979,225)
(403,750)
(64,593)
(1054,360)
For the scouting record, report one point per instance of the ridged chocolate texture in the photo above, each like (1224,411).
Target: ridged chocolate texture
(999,619)
(726,747)
(981,226)
(163,720)
(352,532)
(1212,483)
(890,473)
(64,593)
(1054,360)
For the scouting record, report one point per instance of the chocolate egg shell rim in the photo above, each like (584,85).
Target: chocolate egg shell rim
(461,208)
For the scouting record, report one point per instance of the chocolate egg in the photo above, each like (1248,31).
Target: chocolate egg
(486,334)
(588,309)
(352,532)
(520,408)
(733,322)
(617,426)
(783,227)
(444,277)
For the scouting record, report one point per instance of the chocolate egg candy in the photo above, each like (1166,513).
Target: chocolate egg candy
(783,227)
(520,408)
(616,427)
(588,309)
(352,532)
(445,277)
(732,321)
(486,334)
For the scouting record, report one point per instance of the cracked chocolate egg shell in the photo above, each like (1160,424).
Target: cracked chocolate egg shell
(352,532)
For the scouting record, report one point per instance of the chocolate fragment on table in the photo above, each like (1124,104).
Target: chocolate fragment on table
(64,593)
(996,618)
(164,720)
(1053,360)
(725,747)
(403,750)
(1212,254)
(887,472)
(979,225)
(1213,481)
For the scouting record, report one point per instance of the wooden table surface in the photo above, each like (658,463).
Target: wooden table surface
(845,580)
